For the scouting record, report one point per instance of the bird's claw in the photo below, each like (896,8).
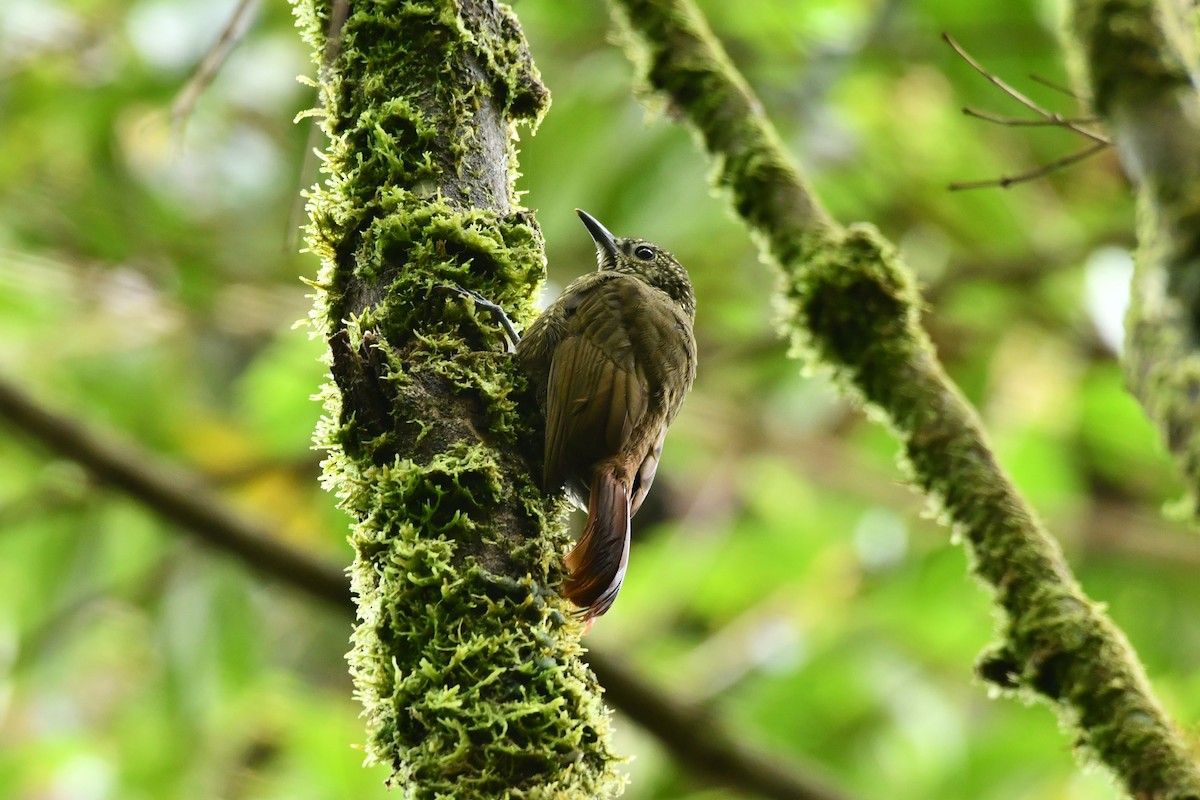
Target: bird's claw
(510,333)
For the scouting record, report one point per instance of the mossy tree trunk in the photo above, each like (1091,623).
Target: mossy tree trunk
(1138,62)
(466,660)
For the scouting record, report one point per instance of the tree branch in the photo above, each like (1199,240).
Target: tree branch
(1138,60)
(856,310)
(184,499)
(701,744)
(179,496)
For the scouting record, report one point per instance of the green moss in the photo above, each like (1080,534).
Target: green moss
(466,659)
(452,661)
(852,303)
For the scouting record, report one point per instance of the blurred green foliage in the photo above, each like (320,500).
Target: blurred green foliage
(149,283)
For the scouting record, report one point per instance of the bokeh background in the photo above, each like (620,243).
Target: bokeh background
(149,286)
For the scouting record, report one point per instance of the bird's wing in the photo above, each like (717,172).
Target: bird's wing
(597,391)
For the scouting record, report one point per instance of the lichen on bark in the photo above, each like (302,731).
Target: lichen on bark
(465,658)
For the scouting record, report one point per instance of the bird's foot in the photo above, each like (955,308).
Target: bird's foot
(510,333)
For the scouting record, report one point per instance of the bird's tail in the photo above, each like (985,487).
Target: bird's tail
(596,565)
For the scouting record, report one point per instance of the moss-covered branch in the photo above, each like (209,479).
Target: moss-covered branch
(856,310)
(1138,61)
(466,660)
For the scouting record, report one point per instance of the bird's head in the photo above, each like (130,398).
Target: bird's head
(643,259)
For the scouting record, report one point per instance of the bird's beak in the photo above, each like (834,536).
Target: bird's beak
(604,240)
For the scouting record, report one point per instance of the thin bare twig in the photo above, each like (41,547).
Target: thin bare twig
(1046,169)
(1057,119)
(206,72)
(1058,87)
(1019,122)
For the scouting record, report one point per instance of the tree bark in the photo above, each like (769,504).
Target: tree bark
(466,660)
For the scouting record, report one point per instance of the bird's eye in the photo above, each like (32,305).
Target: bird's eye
(643,252)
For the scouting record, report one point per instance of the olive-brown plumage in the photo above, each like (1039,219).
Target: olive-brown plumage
(611,361)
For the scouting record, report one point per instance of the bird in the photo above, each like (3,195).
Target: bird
(611,361)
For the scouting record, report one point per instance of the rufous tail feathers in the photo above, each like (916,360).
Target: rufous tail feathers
(597,562)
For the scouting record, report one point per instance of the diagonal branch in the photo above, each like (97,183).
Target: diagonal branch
(184,499)
(175,494)
(856,310)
